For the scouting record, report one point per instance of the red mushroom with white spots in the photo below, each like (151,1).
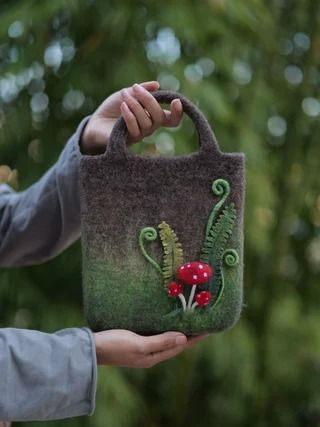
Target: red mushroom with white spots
(175,290)
(203,298)
(195,274)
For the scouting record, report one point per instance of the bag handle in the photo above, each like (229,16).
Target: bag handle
(207,141)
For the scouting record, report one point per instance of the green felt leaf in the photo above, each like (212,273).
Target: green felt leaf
(215,243)
(172,252)
(219,233)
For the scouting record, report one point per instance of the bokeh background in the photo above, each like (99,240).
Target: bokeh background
(252,66)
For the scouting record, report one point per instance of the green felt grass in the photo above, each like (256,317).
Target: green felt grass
(115,296)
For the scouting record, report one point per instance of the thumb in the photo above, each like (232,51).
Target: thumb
(164,341)
(151,86)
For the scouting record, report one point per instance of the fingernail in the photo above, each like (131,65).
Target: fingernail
(178,103)
(181,340)
(136,86)
(124,94)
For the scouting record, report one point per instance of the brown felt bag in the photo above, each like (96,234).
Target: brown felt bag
(162,238)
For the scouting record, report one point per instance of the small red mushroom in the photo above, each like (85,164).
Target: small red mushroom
(175,290)
(194,273)
(202,299)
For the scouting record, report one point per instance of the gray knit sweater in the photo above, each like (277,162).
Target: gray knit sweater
(44,376)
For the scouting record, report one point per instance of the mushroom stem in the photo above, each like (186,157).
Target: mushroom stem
(194,305)
(183,302)
(193,290)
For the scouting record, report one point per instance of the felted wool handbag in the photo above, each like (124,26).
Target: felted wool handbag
(162,237)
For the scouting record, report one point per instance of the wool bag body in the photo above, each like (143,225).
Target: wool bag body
(162,238)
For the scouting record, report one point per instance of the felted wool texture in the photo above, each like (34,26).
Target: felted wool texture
(122,193)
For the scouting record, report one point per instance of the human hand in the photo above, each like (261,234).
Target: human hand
(141,112)
(123,348)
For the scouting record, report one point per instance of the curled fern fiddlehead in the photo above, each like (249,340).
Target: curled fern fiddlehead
(150,234)
(220,187)
(231,257)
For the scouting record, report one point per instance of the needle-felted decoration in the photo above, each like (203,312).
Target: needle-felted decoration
(162,238)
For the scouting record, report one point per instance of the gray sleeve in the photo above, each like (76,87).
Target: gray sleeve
(38,223)
(46,376)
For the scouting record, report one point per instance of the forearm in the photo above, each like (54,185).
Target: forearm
(40,222)
(46,376)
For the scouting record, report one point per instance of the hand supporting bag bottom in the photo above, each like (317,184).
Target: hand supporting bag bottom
(162,238)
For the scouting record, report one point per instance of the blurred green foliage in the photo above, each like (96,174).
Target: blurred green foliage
(252,66)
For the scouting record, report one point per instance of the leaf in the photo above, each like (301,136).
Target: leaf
(172,252)
(220,231)
(215,242)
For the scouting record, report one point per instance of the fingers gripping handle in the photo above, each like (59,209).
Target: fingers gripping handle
(207,141)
